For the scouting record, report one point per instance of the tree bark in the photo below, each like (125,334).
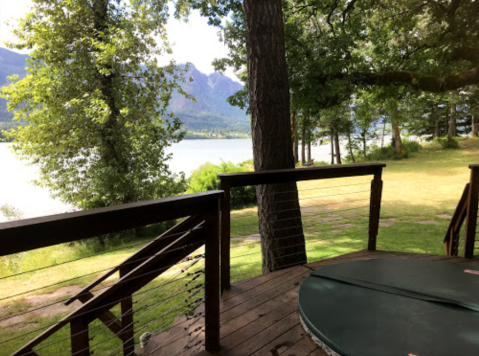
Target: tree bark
(396,132)
(338,150)
(309,146)
(294,137)
(350,148)
(332,144)
(475,126)
(451,132)
(303,141)
(280,225)
(384,131)
(435,120)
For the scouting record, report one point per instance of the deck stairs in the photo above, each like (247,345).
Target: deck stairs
(185,338)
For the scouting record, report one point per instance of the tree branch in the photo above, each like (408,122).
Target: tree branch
(415,80)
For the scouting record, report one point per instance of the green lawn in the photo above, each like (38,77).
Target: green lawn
(418,194)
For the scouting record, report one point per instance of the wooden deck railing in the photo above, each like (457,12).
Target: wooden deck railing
(466,211)
(231,180)
(201,227)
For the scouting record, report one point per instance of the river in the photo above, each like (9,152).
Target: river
(17,190)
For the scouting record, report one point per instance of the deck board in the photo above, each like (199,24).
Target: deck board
(259,316)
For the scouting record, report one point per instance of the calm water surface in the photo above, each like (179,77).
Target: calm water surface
(15,175)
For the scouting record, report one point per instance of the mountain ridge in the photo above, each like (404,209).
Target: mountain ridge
(210,113)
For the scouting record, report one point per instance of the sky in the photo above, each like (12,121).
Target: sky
(193,42)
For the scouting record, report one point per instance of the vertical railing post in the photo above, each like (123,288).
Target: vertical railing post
(127,330)
(79,337)
(225,236)
(471,219)
(212,279)
(374,209)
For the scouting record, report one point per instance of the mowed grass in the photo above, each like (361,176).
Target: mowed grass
(335,219)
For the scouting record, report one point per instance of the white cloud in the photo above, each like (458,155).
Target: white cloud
(193,42)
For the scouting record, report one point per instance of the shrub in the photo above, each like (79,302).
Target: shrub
(389,153)
(205,178)
(446,144)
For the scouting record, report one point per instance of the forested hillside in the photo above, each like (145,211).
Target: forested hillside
(210,113)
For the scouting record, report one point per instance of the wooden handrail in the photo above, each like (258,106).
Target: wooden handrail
(28,234)
(200,228)
(300,174)
(451,239)
(135,260)
(230,180)
(471,219)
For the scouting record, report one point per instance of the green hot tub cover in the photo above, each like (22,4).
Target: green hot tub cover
(392,307)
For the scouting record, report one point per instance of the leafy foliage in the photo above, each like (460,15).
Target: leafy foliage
(206,178)
(447,144)
(96,101)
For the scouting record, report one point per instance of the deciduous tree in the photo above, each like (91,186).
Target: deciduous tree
(95,100)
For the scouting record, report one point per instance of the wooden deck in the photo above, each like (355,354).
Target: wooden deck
(259,316)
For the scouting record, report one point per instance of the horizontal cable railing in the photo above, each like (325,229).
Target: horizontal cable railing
(98,304)
(325,216)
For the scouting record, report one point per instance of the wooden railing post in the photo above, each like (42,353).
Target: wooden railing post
(225,236)
(471,221)
(374,209)
(212,280)
(79,337)
(127,330)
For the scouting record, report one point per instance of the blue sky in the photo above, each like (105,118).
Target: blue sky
(194,42)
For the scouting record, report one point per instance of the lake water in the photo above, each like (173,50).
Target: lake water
(15,176)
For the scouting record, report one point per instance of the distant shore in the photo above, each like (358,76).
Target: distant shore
(209,136)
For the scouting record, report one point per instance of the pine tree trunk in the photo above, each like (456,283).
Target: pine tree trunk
(338,150)
(396,132)
(303,142)
(435,121)
(309,146)
(294,137)
(271,131)
(364,144)
(384,131)
(451,132)
(332,145)
(475,126)
(350,148)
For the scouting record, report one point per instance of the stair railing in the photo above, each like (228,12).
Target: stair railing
(466,212)
(201,227)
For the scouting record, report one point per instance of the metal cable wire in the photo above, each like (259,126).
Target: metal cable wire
(145,295)
(304,190)
(100,253)
(325,213)
(111,303)
(307,241)
(320,196)
(141,326)
(188,307)
(102,270)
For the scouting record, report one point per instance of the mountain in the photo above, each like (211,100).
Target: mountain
(211,112)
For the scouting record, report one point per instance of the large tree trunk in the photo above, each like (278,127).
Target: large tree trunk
(435,121)
(303,141)
(384,131)
(332,144)
(282,238)
(294,137)
(338,150)
(396,132)
(475,126)
(350,147)
(309,146)
(451,132)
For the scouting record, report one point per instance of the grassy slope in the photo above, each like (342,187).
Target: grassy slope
(416,189)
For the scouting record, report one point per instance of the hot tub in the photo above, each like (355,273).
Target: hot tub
(392,307)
